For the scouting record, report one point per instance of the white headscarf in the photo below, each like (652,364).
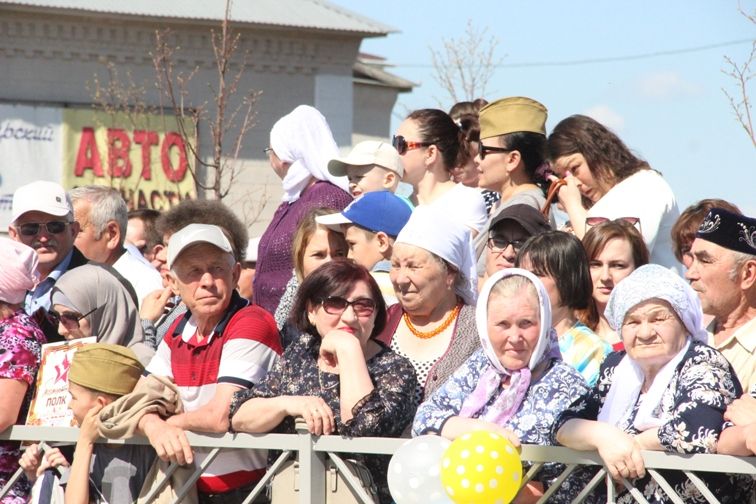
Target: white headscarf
(304,139)
(508,402)
(645,283)
(18,270)
(449,240)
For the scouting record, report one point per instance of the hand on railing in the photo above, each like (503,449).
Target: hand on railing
(34,462)
(622,456)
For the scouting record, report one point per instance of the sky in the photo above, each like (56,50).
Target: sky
(670,109)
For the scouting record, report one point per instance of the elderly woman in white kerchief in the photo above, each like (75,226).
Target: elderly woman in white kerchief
(301,144)
(433,324)
(667,391)
(517,383)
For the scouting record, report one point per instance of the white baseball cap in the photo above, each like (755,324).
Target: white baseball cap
(196,233)
(41,196)
(369,152)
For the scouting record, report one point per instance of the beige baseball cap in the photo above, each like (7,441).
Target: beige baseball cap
(368,152)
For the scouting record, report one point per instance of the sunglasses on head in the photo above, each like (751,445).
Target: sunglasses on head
(482,149)
(68,318)
(33,228)
(402,145)
(631,221)
(336,305)
(499,244)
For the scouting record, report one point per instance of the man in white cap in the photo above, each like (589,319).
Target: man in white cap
(42,218)
(222,344)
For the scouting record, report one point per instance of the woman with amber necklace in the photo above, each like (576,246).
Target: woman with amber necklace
(433,325)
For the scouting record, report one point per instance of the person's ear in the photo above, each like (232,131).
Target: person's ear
(75,229)
(113,235)
(173,283)
(102,400)
(431,154)
(236,272)
(311,313)
(748,275)
(13,233)
(389,180)
(384,243)
(513,160)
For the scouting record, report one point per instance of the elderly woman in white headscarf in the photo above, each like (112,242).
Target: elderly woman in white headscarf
(433,324)
(301,144)
(21,342)
(90,301)
(517,383)
(666,391)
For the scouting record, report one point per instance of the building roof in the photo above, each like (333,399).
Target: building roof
(312,14)
(371,69)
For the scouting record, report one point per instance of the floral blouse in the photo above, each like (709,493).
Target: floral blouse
(546,398)
(692,407)
(21,342)
(384,412)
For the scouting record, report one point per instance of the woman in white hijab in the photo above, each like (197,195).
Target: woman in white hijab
(90,301)
(301,144)
(517,383)
(667,391)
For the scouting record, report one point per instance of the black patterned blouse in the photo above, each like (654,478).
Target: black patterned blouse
(384,412)
(692,407)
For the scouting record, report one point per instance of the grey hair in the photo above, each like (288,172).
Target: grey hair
(515,285)
(106,204)
(739,260)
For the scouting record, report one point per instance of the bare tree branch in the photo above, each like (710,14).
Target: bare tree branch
(742,74)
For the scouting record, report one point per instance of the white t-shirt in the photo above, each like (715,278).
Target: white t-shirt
(463,204)
(645,195)
(143,277)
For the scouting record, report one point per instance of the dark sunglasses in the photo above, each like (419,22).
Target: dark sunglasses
(68,318)
(52,227)
(498,244)
(482,149)
(595,221)
(402,145)
(335,305)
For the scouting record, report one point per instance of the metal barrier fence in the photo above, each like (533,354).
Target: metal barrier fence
(314,452)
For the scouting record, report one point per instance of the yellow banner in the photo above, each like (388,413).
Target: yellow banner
(143,156)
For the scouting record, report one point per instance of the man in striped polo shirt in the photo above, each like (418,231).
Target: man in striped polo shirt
(221,345)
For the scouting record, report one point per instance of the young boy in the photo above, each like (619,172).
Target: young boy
(370,166)
(100,373)
(370,225)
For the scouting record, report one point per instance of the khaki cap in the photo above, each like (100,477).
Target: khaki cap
(107,368)
(510,115)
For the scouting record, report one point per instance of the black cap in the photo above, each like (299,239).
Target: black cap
(526,216)
(729,230)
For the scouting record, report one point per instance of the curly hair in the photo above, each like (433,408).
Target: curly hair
(206,212)
(607,156)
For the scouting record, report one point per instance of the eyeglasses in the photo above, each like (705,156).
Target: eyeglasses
(482,149)
(499,244)
(268,150)
(33,228)
(68,318)
(595,221)
(402,145)
(335,305)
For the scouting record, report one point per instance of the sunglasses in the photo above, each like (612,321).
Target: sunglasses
(335,305)
(402,145)
(33,228)
(595,221)
(68,318)
(499,244)
(482,149)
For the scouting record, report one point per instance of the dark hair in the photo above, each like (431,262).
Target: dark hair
(533,151)
(305,229)
(595,240)
(608,158)
(206,212)
(149,217)
(561,256)
(335,278)
(463,108)
(436,127)
(685,227)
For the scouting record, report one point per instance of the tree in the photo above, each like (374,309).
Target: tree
(465,65)
(742,74)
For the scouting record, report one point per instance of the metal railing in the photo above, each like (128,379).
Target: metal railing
(313,454)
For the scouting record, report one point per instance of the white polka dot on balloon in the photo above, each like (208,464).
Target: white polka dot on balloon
(414,471)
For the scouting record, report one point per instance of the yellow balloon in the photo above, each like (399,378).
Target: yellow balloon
(481,467)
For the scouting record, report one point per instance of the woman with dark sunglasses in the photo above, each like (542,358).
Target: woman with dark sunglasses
(605,179)
(91,301)
(431,146)
(336,375)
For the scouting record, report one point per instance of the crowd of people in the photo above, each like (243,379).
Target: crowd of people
(542,286)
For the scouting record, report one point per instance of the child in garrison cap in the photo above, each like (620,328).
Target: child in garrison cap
(370,225)
(100,373)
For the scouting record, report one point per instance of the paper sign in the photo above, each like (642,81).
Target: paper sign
(49,406)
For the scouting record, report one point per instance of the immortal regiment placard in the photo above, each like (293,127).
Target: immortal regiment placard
(49,406)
